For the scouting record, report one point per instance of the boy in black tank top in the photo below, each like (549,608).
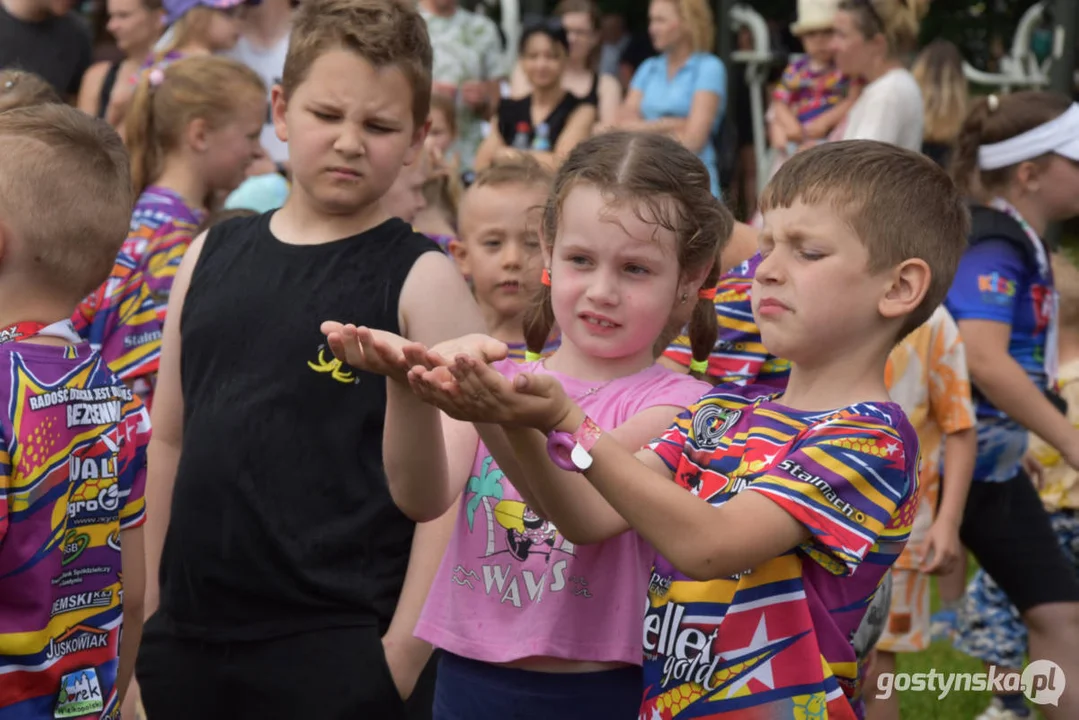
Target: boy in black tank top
(280,554)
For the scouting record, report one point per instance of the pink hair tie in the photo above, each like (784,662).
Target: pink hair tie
(157,76)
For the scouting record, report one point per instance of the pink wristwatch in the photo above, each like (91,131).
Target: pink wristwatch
(572,451)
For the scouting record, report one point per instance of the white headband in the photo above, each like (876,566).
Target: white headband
(1060,135)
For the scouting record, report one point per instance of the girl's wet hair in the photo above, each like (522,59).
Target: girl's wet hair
(666,185)
(994,119)
(168,99)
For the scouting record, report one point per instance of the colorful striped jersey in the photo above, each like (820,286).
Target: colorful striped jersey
(72,473)
(518,350)
(809,91)
(162,228)
(738,356)
(119,320)
(774,641)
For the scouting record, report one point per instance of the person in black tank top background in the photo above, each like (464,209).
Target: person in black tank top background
(136,25)
(288,582)
(548,122)
(583,76)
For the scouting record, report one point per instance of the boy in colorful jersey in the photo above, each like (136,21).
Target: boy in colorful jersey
(810,492)
(118,318)
(73,436)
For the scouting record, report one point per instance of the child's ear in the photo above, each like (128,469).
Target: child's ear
(278,106)
(1029,176)
(909,282)
(460,256)
(198,132)
(416,145)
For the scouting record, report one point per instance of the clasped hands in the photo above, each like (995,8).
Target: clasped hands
(454,376)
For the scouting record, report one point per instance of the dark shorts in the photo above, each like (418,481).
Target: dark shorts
(1007,528)
(336,674)
(471,690)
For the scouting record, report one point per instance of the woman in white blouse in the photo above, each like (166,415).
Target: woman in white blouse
(869,40)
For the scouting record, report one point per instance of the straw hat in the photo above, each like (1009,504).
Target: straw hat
(814,15)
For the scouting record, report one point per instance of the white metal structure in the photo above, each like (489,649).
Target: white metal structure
(757,61)
(1020,68)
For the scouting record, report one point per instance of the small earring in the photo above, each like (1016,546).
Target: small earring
(685,296)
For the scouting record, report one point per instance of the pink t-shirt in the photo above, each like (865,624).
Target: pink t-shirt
(510,586)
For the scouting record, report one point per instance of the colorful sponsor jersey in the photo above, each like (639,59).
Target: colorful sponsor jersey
(72,473)
(776,641)
(119,320)
(739,356)
(162,228)
(995,282)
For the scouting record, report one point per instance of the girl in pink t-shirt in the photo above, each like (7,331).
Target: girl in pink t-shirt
(532,621)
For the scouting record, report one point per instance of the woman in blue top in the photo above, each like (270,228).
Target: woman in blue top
(683,91)
(1025,151)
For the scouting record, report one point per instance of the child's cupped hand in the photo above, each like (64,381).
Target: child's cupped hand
(481,347)
(384,353)
(472,391)
(375,351)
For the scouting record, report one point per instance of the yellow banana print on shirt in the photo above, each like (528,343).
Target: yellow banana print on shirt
(333,366)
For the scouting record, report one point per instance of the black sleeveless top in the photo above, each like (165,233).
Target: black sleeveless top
(281,518)
(592,98)
(107,84)
(512,113)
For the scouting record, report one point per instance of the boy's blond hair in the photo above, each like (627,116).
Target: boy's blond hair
(19,88)
(520,170)
(65,196)
(516,170)
(385,33)
(901,205)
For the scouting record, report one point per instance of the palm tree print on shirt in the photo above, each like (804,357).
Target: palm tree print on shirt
(486,485)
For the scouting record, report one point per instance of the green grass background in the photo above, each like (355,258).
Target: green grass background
(943,658)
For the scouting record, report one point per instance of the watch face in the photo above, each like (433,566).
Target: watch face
(580,457)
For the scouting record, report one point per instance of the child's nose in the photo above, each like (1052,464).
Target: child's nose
(603,289)
(770,270)
(511,255)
